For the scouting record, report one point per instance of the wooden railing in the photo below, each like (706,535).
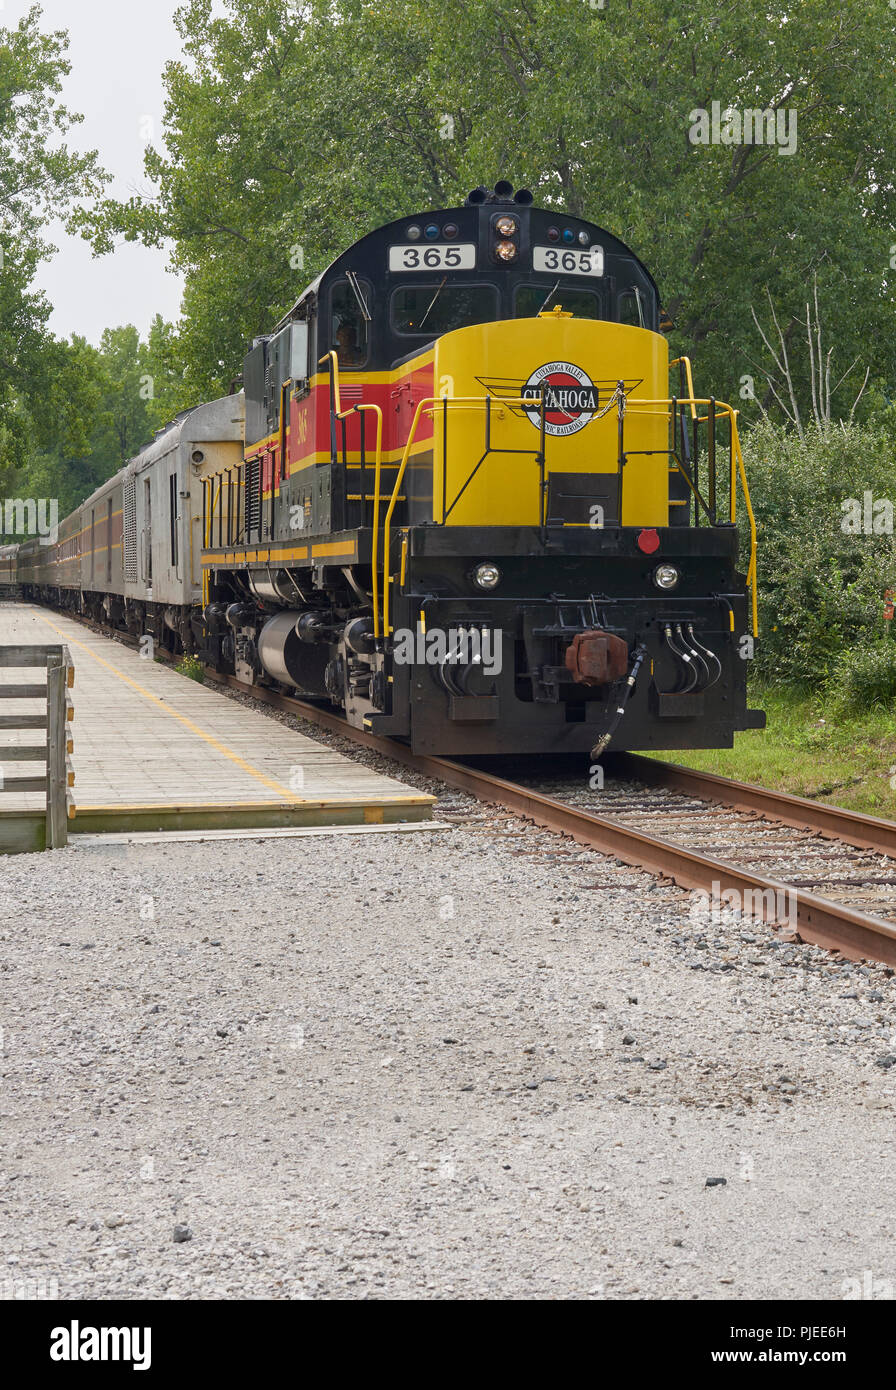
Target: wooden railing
(21,830)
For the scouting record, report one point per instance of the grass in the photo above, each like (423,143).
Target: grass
(811,749)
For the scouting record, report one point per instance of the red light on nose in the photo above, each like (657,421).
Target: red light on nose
(648,540)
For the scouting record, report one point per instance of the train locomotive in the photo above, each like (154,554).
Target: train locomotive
(454,498)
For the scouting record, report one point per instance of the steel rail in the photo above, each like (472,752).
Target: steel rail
(855,935)
(836,822)
(817,920)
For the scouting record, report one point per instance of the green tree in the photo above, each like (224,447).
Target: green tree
(95,412)
(290,130)
(61,427)
(170,392)
(123,423)
(40,178)
(602,108)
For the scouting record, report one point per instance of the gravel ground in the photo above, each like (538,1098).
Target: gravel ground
(475,1062)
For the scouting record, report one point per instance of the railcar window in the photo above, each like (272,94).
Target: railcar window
(438,308)
(582,304)
(109,541)
(349,329)
(630,308)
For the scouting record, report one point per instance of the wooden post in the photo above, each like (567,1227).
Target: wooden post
(57,776)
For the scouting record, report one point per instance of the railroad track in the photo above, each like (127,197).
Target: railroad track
(629,832)
(845,852)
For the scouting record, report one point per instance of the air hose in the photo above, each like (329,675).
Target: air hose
(628,686)
(690,670)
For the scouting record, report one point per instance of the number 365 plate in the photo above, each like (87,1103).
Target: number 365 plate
(459,257)
(590,262)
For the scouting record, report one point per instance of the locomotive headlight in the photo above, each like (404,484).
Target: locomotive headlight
(666,577)
(506,226)
(505,251)
(486,576)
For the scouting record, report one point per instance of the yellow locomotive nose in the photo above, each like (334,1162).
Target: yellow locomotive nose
(588,373)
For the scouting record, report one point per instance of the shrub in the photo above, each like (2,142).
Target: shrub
(865,676)
(820,588)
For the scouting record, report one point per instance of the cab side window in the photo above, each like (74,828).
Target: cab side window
(298,369)
(277,371)
(349,327)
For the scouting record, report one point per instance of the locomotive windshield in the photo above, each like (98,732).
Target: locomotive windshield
(530,299)
(437,307)
(630,307)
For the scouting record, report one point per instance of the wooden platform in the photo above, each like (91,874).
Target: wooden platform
(154,750)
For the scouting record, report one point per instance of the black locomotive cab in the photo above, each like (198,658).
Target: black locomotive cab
(413,280)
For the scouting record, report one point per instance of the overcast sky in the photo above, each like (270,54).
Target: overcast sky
(117,50)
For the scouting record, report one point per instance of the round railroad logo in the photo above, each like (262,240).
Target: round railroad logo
(571,397)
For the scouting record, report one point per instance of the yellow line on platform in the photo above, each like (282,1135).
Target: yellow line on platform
(181,718)
(372,813)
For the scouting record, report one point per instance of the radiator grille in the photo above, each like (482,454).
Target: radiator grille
(129,551)
(253,501)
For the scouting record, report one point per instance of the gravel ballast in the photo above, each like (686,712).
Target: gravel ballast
(475,1062)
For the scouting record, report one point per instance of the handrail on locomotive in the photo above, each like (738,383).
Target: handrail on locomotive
(674,409)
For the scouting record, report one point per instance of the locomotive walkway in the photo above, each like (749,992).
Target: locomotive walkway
(156,751)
